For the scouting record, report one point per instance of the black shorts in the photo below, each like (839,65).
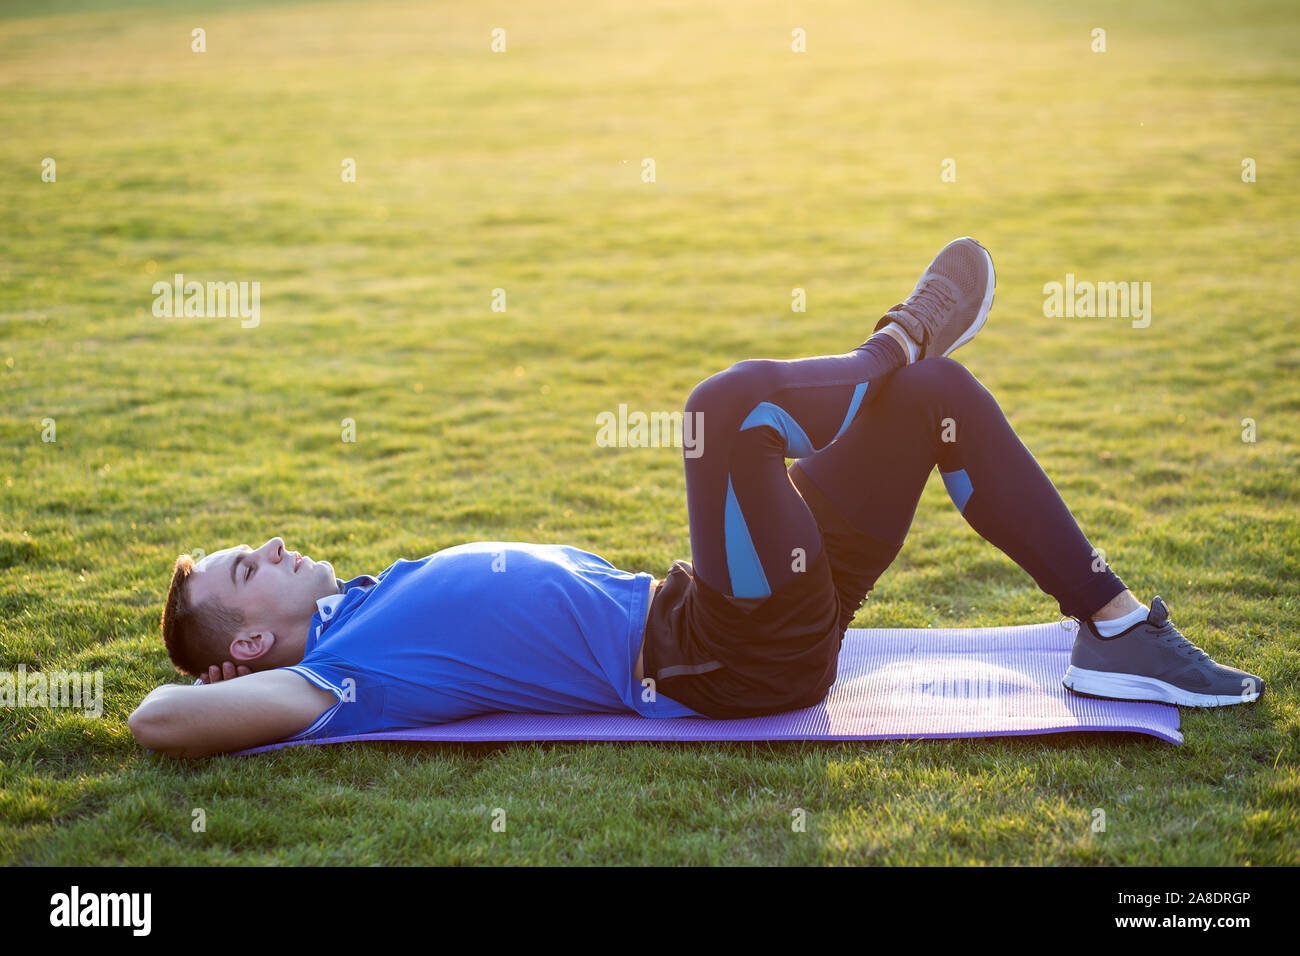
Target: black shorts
(727,657)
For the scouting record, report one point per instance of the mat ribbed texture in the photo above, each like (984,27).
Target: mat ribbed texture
(926,682)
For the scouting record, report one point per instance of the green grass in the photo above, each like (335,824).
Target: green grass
(520,171)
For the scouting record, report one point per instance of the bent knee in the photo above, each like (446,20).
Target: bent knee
(932,379)
(732,388)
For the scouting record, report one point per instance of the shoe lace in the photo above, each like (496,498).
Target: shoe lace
(1168,635)
(928,303)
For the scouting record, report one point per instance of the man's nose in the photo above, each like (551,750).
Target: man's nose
(275,547)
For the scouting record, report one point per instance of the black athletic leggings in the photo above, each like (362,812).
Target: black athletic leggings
(783,559)
(866,429)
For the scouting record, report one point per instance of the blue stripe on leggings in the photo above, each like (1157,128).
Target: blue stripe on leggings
(796,441)
(959,487)
(853,407)
(746,571)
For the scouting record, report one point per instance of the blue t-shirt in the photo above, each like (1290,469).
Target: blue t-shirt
(480,628)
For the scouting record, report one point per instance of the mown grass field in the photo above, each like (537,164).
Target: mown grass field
(521,170)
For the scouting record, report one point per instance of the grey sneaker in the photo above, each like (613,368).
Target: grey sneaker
(1153,661)
(951,299)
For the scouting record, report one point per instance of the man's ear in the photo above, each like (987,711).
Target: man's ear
(249,646)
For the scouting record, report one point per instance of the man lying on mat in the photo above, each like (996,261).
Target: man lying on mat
(781,560)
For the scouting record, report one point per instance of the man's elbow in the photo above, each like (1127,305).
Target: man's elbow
(150,730)
(144,728)
(157,730)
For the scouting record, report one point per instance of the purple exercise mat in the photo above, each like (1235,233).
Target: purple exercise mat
(924,682)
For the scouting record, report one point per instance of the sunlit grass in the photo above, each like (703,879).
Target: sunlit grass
(522,171)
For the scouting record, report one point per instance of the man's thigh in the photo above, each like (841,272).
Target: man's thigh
(856,559)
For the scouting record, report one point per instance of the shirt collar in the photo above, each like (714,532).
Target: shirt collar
(330,603)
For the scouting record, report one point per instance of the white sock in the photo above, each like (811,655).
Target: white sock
(913,350)
(1112,627)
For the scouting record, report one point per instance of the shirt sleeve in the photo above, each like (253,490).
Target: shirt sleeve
(359,699)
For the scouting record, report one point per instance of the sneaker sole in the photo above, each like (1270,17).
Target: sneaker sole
(1114,686)
(984,306)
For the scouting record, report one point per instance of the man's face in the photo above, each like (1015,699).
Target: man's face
(276,589)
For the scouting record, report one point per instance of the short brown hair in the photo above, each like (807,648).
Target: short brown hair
(197,635)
